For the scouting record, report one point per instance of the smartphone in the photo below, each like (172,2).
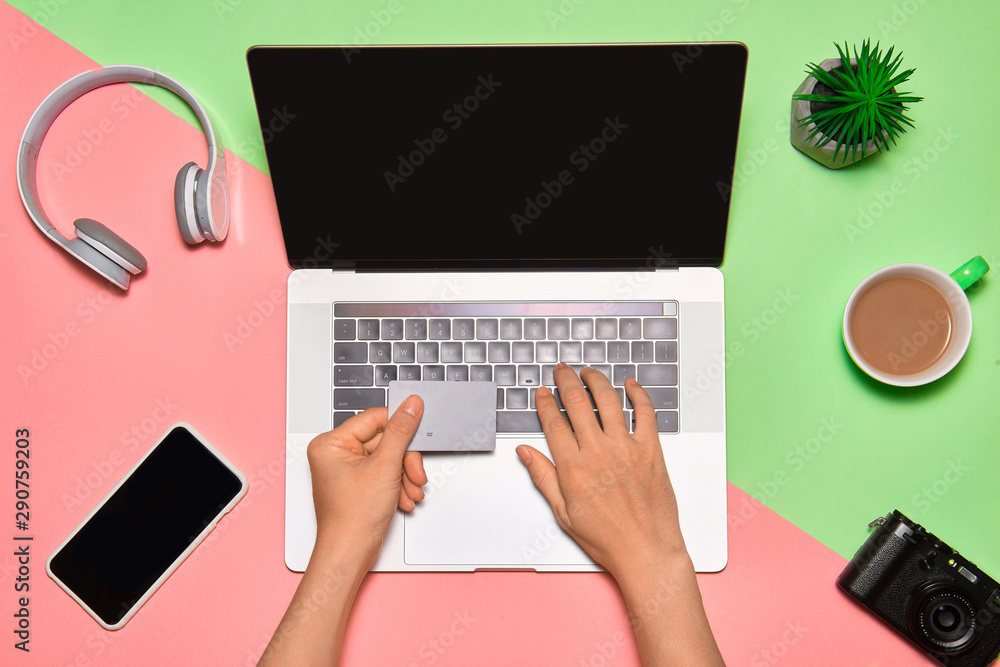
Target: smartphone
(146,526)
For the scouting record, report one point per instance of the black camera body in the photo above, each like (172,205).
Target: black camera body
(927,591)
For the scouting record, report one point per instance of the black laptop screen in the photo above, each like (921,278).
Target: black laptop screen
(487,157)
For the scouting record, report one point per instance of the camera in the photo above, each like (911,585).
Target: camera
(927,591)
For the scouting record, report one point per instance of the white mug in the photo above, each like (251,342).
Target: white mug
(952,287)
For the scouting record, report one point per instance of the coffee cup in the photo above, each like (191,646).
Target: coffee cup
(909,324)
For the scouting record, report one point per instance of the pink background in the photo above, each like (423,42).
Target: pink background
(97,375)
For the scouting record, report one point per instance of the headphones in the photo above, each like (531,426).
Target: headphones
(201,197)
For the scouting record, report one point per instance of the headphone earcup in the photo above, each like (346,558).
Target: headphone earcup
(111,245)
(184,203)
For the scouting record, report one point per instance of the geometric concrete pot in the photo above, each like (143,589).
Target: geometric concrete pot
(800,109)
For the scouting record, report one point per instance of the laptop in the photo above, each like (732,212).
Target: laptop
(479,213)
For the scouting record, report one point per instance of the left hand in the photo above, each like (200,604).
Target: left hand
(361,471)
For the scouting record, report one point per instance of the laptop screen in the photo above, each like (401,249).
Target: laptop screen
(501,157)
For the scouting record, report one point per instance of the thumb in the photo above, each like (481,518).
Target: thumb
(544,477)
(399,430)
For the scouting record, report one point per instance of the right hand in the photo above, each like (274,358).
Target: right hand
(608,489)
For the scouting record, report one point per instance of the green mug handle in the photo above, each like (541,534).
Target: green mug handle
(970,272)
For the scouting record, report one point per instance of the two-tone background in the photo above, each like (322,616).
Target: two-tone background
(816,449)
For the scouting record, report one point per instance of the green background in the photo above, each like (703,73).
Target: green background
(801,236)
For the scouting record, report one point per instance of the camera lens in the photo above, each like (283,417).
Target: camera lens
(944,620)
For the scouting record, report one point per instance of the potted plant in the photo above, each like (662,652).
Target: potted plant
(850,106)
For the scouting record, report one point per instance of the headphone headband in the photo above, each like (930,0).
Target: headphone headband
(54,104)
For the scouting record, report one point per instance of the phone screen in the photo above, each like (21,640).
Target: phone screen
(139,532)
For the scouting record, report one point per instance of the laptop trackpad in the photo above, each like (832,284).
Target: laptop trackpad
(458,416)
(482,510)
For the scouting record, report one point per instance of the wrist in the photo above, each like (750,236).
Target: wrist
(340,553)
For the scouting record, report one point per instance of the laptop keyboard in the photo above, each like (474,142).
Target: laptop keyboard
(514,345)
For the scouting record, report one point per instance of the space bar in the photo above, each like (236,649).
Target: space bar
(522,421)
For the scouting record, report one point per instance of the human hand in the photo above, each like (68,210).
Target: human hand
(361,472)
(608,489)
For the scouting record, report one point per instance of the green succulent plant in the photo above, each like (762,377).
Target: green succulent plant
(863,105)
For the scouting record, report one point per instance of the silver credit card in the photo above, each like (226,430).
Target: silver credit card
(458,416)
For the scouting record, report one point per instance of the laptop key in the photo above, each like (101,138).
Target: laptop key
(517,399)
(666,351)
(358,399)
(505,375)
(427,353)
(368,329)
(630,328)
(663,398)
(499,398)
(464,329)
(451,353)
(499,353)
(603,368)
(666,421)
(350,353)
(510,329)
(547,353)
(457,373)
(582,329)
(518,421)
(559,328)
(522,353)
(379,353)
(353,376)
(404,353)
(392,329)
(642,351)
(481,373)
(345,329)
(409,373)
(416,329)
(606,328)
(534,328)
(433,373)
(529,375)
(341,417)
(621,373)
(594,352)
(384,375)
(439,330)
(487,328)
(659,327)
(475,353)
(656,374)
(618,352)
(570,353)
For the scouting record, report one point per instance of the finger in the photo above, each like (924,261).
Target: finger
(558,433)
(413,466)
(405,502)
(577,403)
(399,431)
(544,477)
(363,426)
(609,404)
(645,413)
(412,491)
